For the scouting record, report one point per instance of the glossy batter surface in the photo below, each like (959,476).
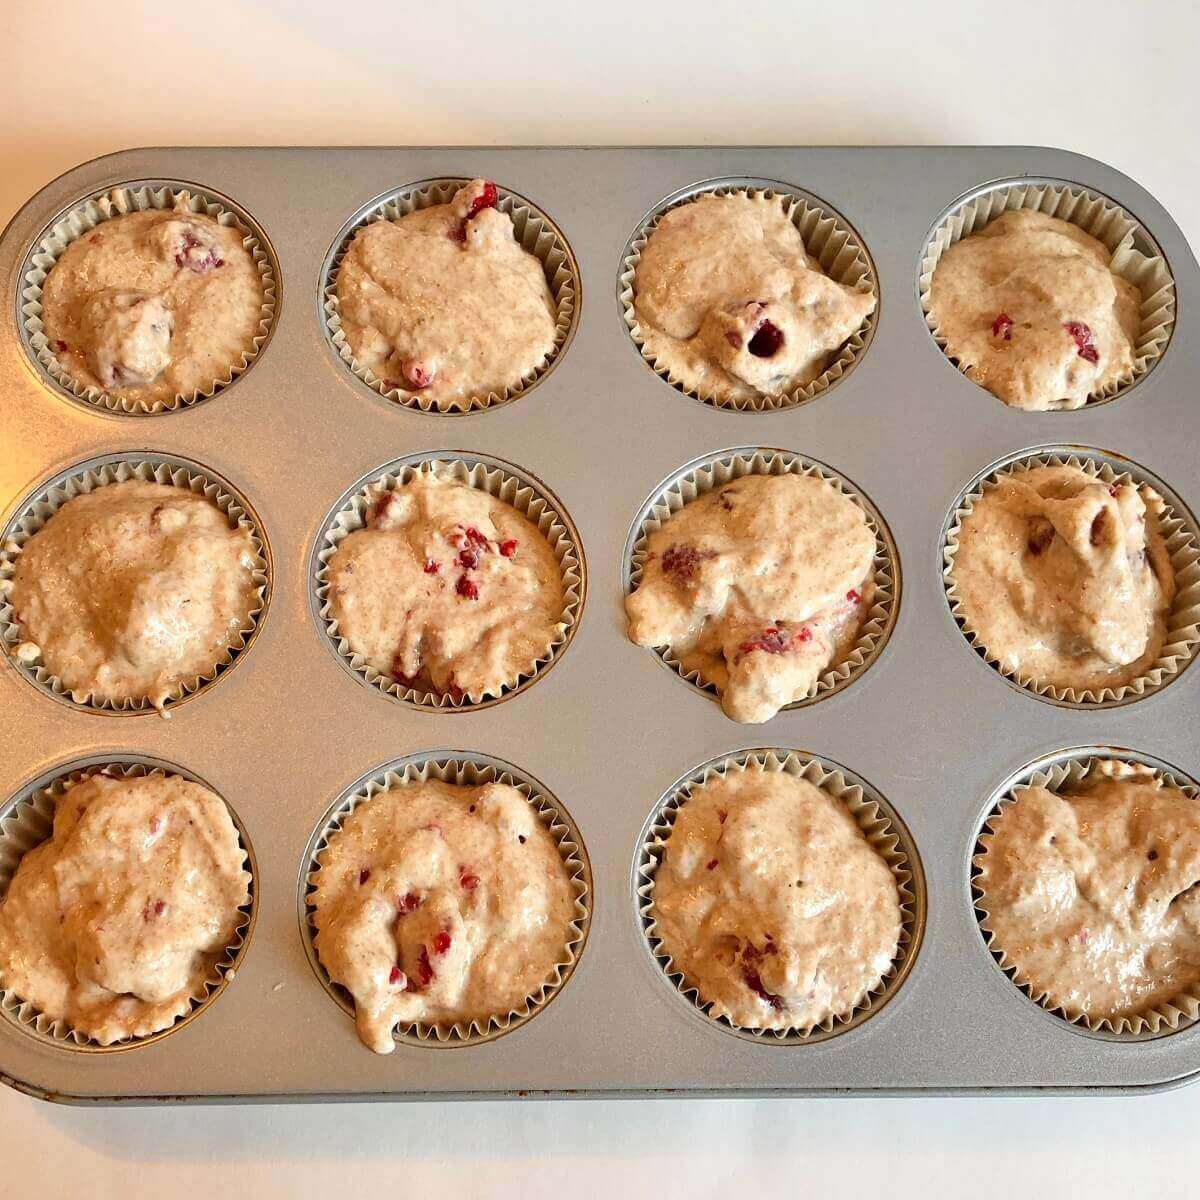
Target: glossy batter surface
(759,585)
(1029,307)
(437,903)
(132,589)
(117,921)
(1065,579)
(152,305)
(1092,895)
(445,302)
(447,588)
(731,303)
(772,903)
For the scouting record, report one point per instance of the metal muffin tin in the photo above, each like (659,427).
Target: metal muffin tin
(930,724)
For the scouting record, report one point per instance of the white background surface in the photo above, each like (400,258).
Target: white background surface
(1114,80)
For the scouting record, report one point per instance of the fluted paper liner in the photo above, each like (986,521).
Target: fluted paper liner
(1125,238)
(500,480)
(537,235)
(714,471)
(87,477)
(27,821)
(828,238)
(1182,540)
(84,217)
(466,770)
(880,826)
(1065,772)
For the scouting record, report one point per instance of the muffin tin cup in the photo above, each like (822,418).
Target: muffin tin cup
(36,509)
(499,479)
(468,770)
(879,824)
(1136,257)
(1180,534)
(1059,772)
(715,470)
(86,215)
(828,237)
(27,820)
(532,228)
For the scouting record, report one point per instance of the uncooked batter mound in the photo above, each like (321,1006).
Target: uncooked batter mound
(447,589)
(759,586)
(730,302)
(1092,892)
(445,303)
(1032,311)
(773,904)
(152,305)
(437,903)
(1065,579)
(133,589)
(115,923)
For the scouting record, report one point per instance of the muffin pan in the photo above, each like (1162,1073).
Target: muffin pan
(933,730)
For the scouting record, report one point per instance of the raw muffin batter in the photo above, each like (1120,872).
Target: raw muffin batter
(772,903)
(447,589)
(438,904)
(153,304)
(131,590)
(1064,579)
(1092,893)
(759,585)
(1030,309)
(731,304)
(117,921)
(445,302)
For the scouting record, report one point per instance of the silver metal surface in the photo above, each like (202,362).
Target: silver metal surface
(933,727)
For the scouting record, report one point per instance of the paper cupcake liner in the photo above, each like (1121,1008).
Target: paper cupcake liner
(1182,539)
(533,229)
(1136,257)
(139,196)
(713,471)
(828,237)
(38,508)
(468,770)
(881,827)
(1057,772)
(506,482)
(27,820)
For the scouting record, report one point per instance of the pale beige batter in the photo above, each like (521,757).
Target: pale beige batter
(132,589)
(1031,309)
(115,923)
(445,303)
(447,589)
(772,904)
(437,903)
(759,585)
(1064,579)
(1092,895)
(152,305)
(731,304)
